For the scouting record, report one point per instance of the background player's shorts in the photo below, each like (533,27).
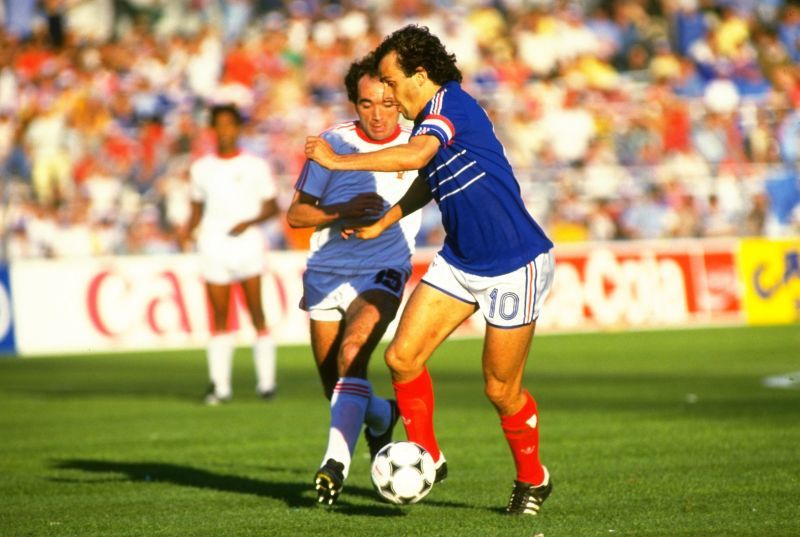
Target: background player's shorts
(225,259)
(326,296)
(508,300)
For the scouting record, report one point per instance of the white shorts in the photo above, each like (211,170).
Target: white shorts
(326,296)
(507,301)
(224,260)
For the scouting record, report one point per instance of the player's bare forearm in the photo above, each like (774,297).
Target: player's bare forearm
(398,158)
(305,210)
(413,155)
(302,215)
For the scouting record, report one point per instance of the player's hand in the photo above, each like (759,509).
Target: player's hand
(318,150)
(368,232)
(238,229)
(365,205)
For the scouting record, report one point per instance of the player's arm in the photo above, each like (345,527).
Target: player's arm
(413,155)
(416,197)
(184,233)
(269,208)
(305,210)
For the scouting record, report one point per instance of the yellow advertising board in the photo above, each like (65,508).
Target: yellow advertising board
(769,270)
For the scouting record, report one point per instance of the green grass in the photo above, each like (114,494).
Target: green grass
(646,434)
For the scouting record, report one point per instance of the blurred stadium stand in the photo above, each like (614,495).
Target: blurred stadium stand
(624,119)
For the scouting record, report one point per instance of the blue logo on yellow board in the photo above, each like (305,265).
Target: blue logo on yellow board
(767,287)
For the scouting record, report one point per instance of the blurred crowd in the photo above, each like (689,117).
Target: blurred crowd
(625,119)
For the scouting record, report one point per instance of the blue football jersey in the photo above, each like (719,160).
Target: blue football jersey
(489,230)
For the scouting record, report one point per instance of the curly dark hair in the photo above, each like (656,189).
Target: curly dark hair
(417,47)
(365,66)
(219,109)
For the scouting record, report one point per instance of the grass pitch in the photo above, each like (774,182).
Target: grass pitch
(646,434)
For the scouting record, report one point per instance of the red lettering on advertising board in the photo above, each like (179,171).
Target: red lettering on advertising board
(176,297)
(93,303)
(124,299)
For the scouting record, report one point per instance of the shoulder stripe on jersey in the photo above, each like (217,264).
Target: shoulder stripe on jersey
(438,100)
(435,103)
(459,189)
(453,176)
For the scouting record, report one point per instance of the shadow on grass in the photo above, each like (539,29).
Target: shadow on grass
(293,494)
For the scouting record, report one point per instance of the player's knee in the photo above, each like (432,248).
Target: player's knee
(400,359)
(501,394)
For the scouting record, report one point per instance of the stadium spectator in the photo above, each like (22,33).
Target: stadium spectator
(352,288)
(716,221)
(789,30)
(782,186)
(647,217)
(46,140)
(20,17)
(232,194)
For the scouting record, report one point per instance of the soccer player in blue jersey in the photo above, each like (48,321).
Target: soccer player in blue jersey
(495,257)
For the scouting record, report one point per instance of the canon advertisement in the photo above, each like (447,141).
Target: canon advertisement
(158,302)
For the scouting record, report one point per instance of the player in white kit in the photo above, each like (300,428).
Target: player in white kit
(232,192)
(352,288)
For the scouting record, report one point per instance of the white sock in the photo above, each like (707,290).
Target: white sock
(378,415)
(348,406)
(220,363)
(264,359)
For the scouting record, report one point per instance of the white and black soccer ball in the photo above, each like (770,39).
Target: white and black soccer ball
(403,472)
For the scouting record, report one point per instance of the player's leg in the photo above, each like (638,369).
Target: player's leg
(504,357)
(505,353)
(429,317)
(321,298)
(366,320)
(511,305)
(326,337)
(264,346)
(220,345)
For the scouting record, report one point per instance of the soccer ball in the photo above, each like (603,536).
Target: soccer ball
(403,472)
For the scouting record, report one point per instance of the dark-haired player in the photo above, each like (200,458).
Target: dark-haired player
(232,192)
(495,257)
(352,288)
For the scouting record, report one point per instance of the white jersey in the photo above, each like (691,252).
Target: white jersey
(393,248)
(231,190)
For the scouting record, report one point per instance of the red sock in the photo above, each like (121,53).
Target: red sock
(415,400)
(522,433)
